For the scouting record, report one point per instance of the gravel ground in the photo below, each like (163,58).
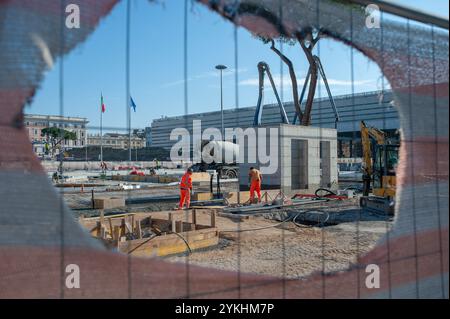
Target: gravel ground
(305,250)
(285,250)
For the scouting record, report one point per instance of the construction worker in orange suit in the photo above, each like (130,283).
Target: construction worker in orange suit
(255,178)
(185,189)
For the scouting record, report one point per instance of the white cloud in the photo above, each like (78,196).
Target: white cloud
(287,82)
(43,47)
(210,74)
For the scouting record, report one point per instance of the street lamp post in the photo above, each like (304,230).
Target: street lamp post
(221,67)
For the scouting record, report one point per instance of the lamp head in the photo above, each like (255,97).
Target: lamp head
(221,67)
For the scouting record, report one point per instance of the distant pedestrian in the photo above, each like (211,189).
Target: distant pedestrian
(103,166)
(255,178)
(55,177)
(185,189)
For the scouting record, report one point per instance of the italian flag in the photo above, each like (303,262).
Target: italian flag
(102,104)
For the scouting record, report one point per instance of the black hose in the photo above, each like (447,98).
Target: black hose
(259,228)
(144,242)
(185,241)
(319,223)
(329,193)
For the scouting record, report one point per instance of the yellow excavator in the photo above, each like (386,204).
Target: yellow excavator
(380,159)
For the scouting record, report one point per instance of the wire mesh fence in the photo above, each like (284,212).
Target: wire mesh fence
(39,237)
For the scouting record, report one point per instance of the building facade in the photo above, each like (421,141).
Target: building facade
(35,123)
(116,140)
(375,108)
(148,136)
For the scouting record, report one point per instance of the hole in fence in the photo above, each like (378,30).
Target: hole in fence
(114,167)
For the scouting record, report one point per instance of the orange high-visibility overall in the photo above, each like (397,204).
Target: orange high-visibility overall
(185,190)
(255,184)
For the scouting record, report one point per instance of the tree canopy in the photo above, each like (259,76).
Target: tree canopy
(58,133)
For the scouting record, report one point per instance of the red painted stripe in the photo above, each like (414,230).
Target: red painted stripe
(90,11)
(32,272)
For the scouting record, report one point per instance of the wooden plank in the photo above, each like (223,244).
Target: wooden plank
(117,233)
(111,230)
(213,218)
(161,247)
(87,219)
(102,232)
(98,229)
(157,230)
(178,226)
(122,227)
(106,203)
(194,217)
(102,216)
(172,239)
(202,196)
(138,229)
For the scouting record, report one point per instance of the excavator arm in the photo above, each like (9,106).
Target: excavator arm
(263,68)
(327,87)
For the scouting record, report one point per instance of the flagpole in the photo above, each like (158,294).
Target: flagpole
(101,134)
(129,128)
(127,69)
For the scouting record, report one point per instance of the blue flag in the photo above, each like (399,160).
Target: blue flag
(133,105)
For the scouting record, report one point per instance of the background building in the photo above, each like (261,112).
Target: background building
(375,108)
(36,123)
(148,136)
(118,141)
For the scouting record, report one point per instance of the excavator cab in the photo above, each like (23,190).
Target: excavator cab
(384,168)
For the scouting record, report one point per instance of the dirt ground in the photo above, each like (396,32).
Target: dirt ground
(81,202)
(288,250)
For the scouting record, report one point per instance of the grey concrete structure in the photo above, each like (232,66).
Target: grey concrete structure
(148,136)
(376,108)
(304,157)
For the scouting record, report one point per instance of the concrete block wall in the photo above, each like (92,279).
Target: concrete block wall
(305,164)
(312,137)
(270,181)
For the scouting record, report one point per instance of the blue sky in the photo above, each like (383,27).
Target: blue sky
(157,81)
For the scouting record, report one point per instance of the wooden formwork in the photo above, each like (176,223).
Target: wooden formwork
(140,234)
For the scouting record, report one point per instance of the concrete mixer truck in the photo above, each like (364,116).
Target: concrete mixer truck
(219,156)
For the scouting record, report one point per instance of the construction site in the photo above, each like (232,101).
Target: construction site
(318,149)
(304,213)
(299,209)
